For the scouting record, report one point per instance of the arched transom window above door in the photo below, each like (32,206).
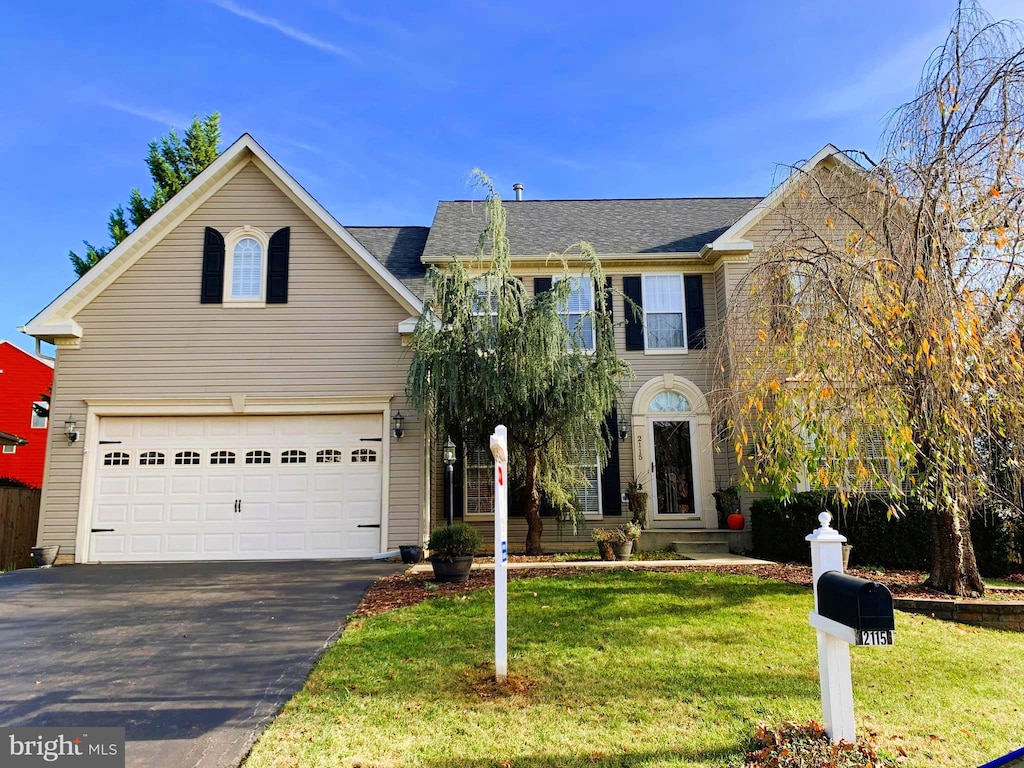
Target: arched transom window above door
(669,402)
(669,394)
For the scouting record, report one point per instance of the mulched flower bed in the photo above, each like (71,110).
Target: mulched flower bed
(404,589)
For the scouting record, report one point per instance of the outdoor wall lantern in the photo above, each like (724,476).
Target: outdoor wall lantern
(398,425)
(449,481)
(623,427)
(449,453)
(70,431)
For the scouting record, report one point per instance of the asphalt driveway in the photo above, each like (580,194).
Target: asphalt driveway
(193,659)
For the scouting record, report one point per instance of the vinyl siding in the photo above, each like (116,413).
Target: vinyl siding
(695,365)
(148,336)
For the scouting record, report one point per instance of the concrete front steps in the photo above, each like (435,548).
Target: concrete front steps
(696,540)
(701,542)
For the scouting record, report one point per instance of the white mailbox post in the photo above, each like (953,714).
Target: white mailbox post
(833,651)
(499,449)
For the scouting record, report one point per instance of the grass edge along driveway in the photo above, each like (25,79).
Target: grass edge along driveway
(632,668)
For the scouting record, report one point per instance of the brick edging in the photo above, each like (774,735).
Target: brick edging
(1007,615)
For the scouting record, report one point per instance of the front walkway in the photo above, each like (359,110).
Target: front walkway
(695,559)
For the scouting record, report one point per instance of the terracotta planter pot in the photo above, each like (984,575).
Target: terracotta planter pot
(623,550)
(451,570)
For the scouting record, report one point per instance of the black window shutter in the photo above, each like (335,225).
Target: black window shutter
(212,290)
(277,267)
(541,285)
(632,286)
(611,491)
(693,290)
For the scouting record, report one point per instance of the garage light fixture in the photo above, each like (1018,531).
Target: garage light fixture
(398,425)
(70,431)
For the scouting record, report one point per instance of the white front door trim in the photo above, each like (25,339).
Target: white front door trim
(96,408)
(702,448)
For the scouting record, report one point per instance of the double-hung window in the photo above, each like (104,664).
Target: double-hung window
(479,472)
(664,312)
(588,498)
(40,415)
(486,302)
(577,312)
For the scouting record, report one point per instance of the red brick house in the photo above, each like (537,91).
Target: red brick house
(24,379)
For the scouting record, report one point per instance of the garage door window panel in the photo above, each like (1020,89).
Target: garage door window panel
(257,457)
(222,457)
(293,457)
(116,459)
(329,456)
(151,459)
(187,458)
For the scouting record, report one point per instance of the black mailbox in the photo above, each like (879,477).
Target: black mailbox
(858,603)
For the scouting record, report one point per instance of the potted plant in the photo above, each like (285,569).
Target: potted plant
(605,539)
(727,502)
(626,535)
(636,498)
(451,552)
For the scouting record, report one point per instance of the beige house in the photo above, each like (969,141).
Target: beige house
(235,370)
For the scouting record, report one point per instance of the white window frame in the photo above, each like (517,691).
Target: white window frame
(600,493)
(566,314)
(35,416)
(480,287)
(10,449)
(230,241)
(490,463)
(648,350)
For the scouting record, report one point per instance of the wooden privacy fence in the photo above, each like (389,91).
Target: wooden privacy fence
(19,518)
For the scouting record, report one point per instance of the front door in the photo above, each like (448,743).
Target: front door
(673,470)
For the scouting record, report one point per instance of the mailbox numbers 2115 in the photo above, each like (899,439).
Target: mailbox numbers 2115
(874,637)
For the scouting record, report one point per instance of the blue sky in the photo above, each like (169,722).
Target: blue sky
(382,108)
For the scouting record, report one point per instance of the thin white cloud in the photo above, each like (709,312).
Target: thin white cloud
(893,79)
(285,29)
(161,116)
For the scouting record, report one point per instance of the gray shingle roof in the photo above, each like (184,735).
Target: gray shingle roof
(537,227)
(399,249)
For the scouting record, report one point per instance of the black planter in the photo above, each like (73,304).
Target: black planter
(44,557)
(411,554)
(451,570)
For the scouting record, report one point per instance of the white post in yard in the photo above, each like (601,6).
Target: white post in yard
(833,653)
(499,449)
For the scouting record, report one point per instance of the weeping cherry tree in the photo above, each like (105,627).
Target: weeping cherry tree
(878,344)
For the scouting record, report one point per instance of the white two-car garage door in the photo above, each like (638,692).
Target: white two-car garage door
(237,488)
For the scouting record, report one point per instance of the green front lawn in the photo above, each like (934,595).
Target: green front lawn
(622,668)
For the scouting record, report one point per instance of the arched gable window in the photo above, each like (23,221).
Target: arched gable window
(245,267)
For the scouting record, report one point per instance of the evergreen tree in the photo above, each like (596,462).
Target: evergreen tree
(173,161)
